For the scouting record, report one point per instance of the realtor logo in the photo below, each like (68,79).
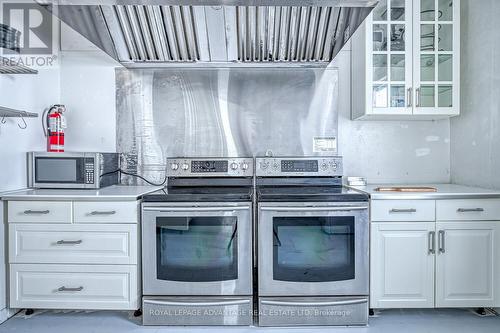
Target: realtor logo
(26,29)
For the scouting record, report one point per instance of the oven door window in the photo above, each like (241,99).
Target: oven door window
(196,249)
(313,249)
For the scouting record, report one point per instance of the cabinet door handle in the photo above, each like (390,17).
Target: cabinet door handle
(468,210)
(418,97)
(432,242)
(409,96)
(36,212)
(109,212)
(63,288)
(441,241)
(408,210)
(69,242)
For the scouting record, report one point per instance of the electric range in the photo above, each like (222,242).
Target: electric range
(313,243)
(197,244)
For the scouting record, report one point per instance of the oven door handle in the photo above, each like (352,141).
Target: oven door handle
(331,303)
(220,303)
(309,209)
(195,209)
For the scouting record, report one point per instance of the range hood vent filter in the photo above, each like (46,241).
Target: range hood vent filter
(300,34)
(156,33)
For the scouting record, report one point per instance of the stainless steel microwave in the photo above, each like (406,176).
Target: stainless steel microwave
(83,170)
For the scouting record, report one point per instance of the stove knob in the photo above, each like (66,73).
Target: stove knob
(234,165)
(334,166)
(275,166)
(174,166)
(185,166)
(244,166)
(264,165)
(324,166)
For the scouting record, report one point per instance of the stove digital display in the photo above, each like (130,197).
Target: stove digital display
(209,166)
(299,166)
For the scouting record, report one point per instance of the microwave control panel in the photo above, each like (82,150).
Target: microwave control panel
(89,170)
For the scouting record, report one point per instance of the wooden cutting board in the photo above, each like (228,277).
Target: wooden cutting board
(406,189)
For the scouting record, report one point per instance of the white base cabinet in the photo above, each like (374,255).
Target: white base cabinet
(445,263)
(74,255)
(74,287)
(465,264)
(402,266)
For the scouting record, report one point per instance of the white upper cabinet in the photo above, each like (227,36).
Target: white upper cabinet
(405,61)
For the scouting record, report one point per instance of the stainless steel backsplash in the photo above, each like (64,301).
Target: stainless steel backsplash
(218,112)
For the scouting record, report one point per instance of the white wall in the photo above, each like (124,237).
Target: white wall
(84,81)
(475,135)
(88,91)
(390,151)
(31,93)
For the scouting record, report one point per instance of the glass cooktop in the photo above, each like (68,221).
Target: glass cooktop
(201,194)
(309,193)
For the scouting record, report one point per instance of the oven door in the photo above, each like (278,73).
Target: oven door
(313,249)
(197,249)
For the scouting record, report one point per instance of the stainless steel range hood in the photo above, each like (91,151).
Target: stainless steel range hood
(158,33)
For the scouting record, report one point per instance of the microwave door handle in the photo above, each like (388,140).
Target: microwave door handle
(331,303)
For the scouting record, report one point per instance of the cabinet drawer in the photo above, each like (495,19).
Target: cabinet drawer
(106,212)
(40,211)
(95,287)
(468,209)
(73,244)
(403,210)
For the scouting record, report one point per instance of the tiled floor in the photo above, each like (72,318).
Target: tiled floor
(388,321)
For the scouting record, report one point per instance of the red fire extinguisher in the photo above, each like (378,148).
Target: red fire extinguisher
(56,123)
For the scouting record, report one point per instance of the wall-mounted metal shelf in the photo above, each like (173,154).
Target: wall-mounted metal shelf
(7,112)
(9,66)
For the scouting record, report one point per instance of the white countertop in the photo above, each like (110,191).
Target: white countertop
(111,193)
(444,191)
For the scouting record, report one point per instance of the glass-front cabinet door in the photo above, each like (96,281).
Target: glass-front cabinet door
(436,57)
(389,63)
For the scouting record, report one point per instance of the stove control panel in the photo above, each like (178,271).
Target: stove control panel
(210,167)
(298,166)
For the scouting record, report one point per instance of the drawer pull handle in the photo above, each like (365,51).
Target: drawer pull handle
(31,212)
(410,210)
(69,242)
(470,210)
(96,212)
(63,288)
